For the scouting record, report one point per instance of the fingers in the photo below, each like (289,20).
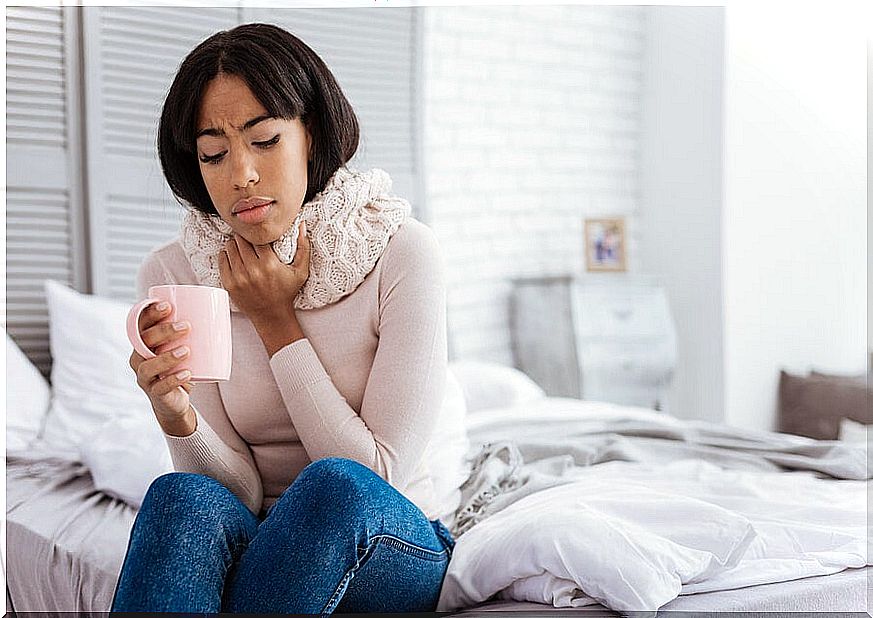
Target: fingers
(135,360)
(246,250)
(171,382)
(164,332)
(301,258)
(153,374)
(153,314)
(225,272)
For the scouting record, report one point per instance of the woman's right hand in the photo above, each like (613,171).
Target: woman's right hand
(168,394)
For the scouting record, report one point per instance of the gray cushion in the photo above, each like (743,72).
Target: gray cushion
(814,405)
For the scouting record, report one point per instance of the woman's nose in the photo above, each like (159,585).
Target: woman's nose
(243,171)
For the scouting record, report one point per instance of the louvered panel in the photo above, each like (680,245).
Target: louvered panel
(35,219)
(33,16)
(137,52)
(372,55)
(134,227)
(139,56)
(35,107)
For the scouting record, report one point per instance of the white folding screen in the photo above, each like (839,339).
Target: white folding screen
(132,54)
(44,205)
(84,183)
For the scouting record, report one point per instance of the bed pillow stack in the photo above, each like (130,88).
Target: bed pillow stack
(815,405)
(99,415)
(489,385)
(27,399)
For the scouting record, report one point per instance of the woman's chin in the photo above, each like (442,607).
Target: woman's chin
(259,237)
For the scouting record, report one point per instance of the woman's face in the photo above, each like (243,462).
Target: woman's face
(254,166)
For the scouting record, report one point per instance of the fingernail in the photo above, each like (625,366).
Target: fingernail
(180,325)
(180,352)
(163,306)
(183,374)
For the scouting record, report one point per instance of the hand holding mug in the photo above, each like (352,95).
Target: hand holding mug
(187,341)
(162,376)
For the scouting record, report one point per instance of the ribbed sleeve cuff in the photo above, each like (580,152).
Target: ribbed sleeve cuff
(194,451)
(297,365)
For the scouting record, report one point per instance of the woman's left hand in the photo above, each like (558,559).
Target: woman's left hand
(258,283)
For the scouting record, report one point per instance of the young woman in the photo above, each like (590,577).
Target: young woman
(300,483)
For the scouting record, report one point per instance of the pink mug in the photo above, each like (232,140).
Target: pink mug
(207,310)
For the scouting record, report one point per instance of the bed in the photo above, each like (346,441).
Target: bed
(70,537)
(565,505)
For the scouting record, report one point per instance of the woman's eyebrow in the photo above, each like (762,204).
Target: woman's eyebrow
(220,132)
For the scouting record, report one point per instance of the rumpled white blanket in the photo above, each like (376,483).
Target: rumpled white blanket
(633,535)
(634,538)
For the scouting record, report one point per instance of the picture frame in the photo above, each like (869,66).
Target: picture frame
(605,245)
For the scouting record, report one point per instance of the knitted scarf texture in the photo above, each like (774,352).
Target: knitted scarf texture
(349,224)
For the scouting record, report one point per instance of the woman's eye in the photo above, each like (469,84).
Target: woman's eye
(268,143)
(211,158)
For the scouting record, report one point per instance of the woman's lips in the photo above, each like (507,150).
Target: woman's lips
(256,215)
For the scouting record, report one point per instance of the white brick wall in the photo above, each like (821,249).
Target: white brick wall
(532,123)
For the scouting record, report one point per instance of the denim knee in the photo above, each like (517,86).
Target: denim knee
(337,468)
(186,493)
(180,486)
(336,484)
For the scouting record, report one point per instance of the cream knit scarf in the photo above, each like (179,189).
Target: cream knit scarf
(348,223)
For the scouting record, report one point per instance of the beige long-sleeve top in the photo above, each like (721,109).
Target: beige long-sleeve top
(366,383)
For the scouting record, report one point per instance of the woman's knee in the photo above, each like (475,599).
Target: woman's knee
(333,486)
(340,477)
(182,504)
(185,495)
(181,488)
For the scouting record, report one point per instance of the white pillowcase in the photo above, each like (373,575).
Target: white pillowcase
(489,385)
(27,398)
(853,432)
(125,455)
(91,379)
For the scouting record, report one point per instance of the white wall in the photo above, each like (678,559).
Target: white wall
(531,124)
(681,194)
(794,188)
(869,202)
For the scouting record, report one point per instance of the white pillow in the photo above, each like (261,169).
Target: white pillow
(489,385)
(125,455)
(27,398)
(853,432)
(91,379)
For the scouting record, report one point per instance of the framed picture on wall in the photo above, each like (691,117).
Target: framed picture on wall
(605,245)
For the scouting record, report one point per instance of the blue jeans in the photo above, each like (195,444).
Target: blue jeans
(340,538)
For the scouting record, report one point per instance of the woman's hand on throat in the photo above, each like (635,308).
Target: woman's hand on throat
(258,283)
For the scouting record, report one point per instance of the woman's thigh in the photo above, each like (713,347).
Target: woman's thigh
(188,532)
(399,572)
(340,530)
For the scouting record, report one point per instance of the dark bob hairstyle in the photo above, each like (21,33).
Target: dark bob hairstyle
(289,80)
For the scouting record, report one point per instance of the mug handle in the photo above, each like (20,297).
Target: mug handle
(133,327)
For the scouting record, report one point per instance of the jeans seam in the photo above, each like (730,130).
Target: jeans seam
(391,541)
(409,548)
(333,601)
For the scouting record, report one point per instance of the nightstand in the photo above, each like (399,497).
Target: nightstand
(594,338)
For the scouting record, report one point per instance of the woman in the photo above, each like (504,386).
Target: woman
(301,486)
